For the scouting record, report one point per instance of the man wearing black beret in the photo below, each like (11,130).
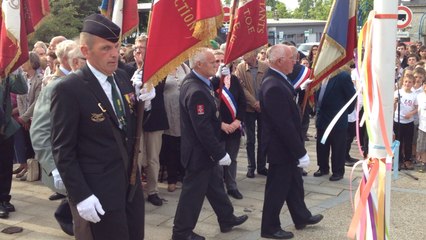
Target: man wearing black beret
(93,127)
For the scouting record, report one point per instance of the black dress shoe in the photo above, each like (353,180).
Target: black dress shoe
(9,207)
(155,200)
(335,177)
(280,234)
(191,236)
(56,196)
(235,194)
(304,173)
(263,172)
(311,221)
(320,173)
(350,162)
(250,174)
(227,226)
(3,212)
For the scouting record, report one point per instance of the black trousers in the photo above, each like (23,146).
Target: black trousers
(350,138)
(196,186)
(6,168)
(124,224)
(404,134)
(284,183)
(170,154)
(336,142)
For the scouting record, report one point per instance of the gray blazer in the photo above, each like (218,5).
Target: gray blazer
(26,107)
(40,134)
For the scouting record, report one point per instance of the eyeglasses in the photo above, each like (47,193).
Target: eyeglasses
(220,61)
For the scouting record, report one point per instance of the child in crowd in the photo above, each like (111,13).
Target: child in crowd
(419,76)
(405,106)
(421,140)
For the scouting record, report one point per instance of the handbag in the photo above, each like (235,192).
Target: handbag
(33,172)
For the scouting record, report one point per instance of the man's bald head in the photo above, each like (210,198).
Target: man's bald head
(55,41)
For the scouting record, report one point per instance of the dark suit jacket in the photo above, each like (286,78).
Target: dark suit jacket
(338,92)
(84,148)
(238,95)
(200,125)
(281,125)
(156,118)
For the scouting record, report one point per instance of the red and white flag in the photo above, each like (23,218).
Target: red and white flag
(248,29)
(125,15)
(19,19)
(177,29)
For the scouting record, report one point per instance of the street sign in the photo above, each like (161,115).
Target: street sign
(226,14)
(405,15)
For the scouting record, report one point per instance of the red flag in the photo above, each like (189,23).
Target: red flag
(125,15)
(16,24)
(248,28)
(38,10)
(176,29)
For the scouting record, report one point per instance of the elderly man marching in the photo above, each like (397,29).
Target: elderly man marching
(201,151)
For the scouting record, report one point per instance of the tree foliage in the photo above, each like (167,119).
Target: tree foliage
(65,19)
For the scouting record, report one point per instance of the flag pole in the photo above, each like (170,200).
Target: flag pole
(384,38)
(139,129)
(228,37)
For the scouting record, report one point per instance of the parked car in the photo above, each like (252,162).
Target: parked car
(306,47)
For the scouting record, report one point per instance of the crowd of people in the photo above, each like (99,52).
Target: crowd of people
(74,108)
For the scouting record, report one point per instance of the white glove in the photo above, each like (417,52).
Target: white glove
(225,161)
(304,161)
(57,180)
(147,105)
(223,70)
(89,208)
(137,81)
(305,84)
(147,93)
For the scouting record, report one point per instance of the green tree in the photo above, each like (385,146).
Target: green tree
(313,9)
(321,10)
(279,11)
(64,20)
(303,11)
(364,8)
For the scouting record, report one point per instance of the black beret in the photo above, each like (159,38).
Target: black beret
(101,26)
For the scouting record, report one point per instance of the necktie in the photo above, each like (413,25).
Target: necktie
(118,105)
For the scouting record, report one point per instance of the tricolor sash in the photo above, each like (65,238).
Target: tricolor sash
(230,102)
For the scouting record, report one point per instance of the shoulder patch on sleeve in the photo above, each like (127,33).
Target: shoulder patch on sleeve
(200,109)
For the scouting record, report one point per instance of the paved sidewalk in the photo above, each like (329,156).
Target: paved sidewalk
(35,212)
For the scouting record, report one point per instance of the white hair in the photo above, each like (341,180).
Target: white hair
(199,56)
(63,48)
(73,54)
(275,52)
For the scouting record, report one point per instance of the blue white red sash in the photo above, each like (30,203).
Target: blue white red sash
(230,102)
(301,77)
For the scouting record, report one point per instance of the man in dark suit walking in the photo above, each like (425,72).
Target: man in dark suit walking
(93,126)
(201,151)
(284,146)
(330,98)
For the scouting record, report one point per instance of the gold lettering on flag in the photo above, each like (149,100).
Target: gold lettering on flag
(186,12)
(247,20)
